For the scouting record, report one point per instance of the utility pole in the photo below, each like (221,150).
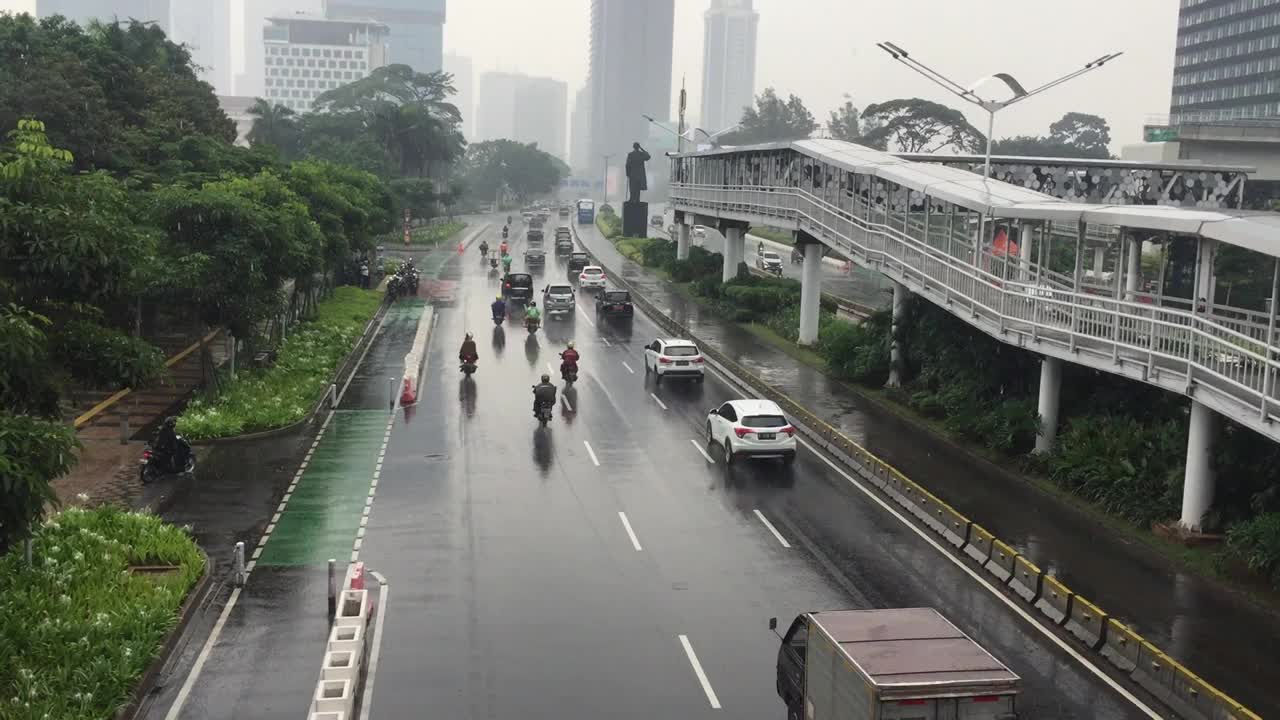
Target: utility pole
(680,127)
(606,178)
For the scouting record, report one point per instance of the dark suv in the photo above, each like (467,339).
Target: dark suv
(577,261)
(614,303)
(518,287)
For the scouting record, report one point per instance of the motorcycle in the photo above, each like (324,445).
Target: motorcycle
(569,375)
(394,286)
(498,319)
(411,282)
(154,465)
(504,233)
(468,366)
(532,325)
(774,270)
(543,413)
(493,263)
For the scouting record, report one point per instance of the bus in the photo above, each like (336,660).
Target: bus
(586,212)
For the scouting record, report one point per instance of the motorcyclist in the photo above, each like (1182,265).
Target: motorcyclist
(506,262)
(508,219)
(532,314)
(502,249)
(499,307)
(504,232)
(484,249)
(165,445)
(468,351)
(544,393)
(568,360)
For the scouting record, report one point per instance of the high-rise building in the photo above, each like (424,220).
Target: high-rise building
(82,11)
(580,130)
(248,52)
(464,82)
(1227,61)
(205,27)
(305,56)
(417,27)
(541,107)
(630,74)
(495,106)
(728,62)
(237,108)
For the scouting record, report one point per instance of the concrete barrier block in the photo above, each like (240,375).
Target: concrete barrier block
(1003,563)
(1055,599)
(327,716)
(978,544)
(1026,579)
(1087,622)
(1121,646)
(334,696)
(953,526)
(346,637)
(893,485)
(341,665)
(353,607)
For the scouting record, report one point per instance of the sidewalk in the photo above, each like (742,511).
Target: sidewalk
(1222,637)
(108,469)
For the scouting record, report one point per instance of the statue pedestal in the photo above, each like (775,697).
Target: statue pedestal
(635,218)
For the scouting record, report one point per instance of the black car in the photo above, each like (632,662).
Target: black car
(614,303)
(535,256)
(534,237)
(564,247)
(577,261)
(518,287)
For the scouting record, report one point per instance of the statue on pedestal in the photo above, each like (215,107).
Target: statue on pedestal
(636,179)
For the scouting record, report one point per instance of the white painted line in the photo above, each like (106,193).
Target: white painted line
(592,453)
(702,451)
(586,317)
(371,492)
(358,543)
(257,553)
(635,541)
(270,529)
(367,509)
(355,556)
(364,519)
(373,483)
(287,495)
(772,529)
(697,670)
(359,362)
(302,466)
(377,468)
(249,566)
(551,369)
(175,710)
(606,342)
(567,405)
(659,401)
(628,367)
(375,650)
(360,531)
(276,518)
(1017,609)
(368,501)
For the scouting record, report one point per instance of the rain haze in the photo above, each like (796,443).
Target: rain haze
(822,50)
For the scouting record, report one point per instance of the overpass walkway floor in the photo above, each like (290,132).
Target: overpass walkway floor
(1217,633)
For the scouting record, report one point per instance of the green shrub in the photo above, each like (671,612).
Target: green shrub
(274,397)
(659,253)
(610,224)
(434,234)
(78,629)
(33,451)
(107,358)
(857,352)
(1257,543)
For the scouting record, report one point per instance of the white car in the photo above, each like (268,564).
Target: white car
(591,278)
(769,260)
(700,232)
(675,358)
(752,428)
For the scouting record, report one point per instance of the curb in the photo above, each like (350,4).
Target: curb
(151,677)
(1086,623)
(344,369)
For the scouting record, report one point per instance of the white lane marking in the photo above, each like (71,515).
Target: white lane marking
(606,342)
(257,552)
(586,317)
(772,529)
(567,405)
(175,710)
(551,369)
(626,524)
(697,670)
(628,367)
(375,650)
(1017,609)
(592,453)
(702,451)
(659,401)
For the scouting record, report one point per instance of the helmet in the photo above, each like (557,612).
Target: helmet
(468,336)
(171,421)
(533,304)
(570,345)
(546,378)
(498,296)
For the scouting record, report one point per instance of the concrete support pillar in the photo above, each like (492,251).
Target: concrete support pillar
(682,241)
(1204,272)
(1025,232)
(1050,394)
(1197,486)
(900,295)
(734,252)
(1099,256)
(810,293)
(1133,270)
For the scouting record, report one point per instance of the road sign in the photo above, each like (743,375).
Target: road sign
(1161,134)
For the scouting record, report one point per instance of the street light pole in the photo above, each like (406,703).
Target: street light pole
(606,178)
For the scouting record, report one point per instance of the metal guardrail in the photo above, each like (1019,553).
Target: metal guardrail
(1086,622)
(1221,359)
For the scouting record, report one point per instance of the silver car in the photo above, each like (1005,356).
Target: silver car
(558,300)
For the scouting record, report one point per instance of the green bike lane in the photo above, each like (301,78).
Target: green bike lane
(262,658)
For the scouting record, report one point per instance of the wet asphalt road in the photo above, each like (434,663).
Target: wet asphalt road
(518,591)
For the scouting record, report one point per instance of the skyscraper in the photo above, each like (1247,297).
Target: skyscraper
(495,106)
(580,130)
(541,105)
(205,27)
(305,56)
(1227,61)
(464,82)
(82,11)
(630,73)
(417,27)
(249,72)
(728,62)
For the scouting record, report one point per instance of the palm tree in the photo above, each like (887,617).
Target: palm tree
(274,125)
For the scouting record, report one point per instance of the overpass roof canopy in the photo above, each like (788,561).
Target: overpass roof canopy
(1259,232)
(1181,165)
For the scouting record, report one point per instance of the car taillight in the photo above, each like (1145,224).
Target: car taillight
(583,276)
(664,360)
(913,702)
(742,432)
(789,430)
(508,286)
(146,454)
(699,359)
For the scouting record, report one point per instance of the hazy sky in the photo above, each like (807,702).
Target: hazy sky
(822,49)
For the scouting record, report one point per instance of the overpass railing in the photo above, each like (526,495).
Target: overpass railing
(1228,360)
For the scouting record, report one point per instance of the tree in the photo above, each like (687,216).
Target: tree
(274,125)
(772,120)
(523,169)
(1090,134)
(845,123)
(914,125)
(350,207)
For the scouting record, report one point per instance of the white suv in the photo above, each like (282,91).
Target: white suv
(676,358)
(591,278)
(752,428)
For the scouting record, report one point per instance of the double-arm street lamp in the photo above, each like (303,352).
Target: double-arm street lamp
(690,134)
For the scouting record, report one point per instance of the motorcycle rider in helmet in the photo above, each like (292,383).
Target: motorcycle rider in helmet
(506,262)
(504,232)
(568,361)
(499,307)
(544,393)
(484,249)
(502,249)
(468,351)
(532,313)
(165,444)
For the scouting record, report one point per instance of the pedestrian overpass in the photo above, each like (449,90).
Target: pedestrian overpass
(1059,278)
